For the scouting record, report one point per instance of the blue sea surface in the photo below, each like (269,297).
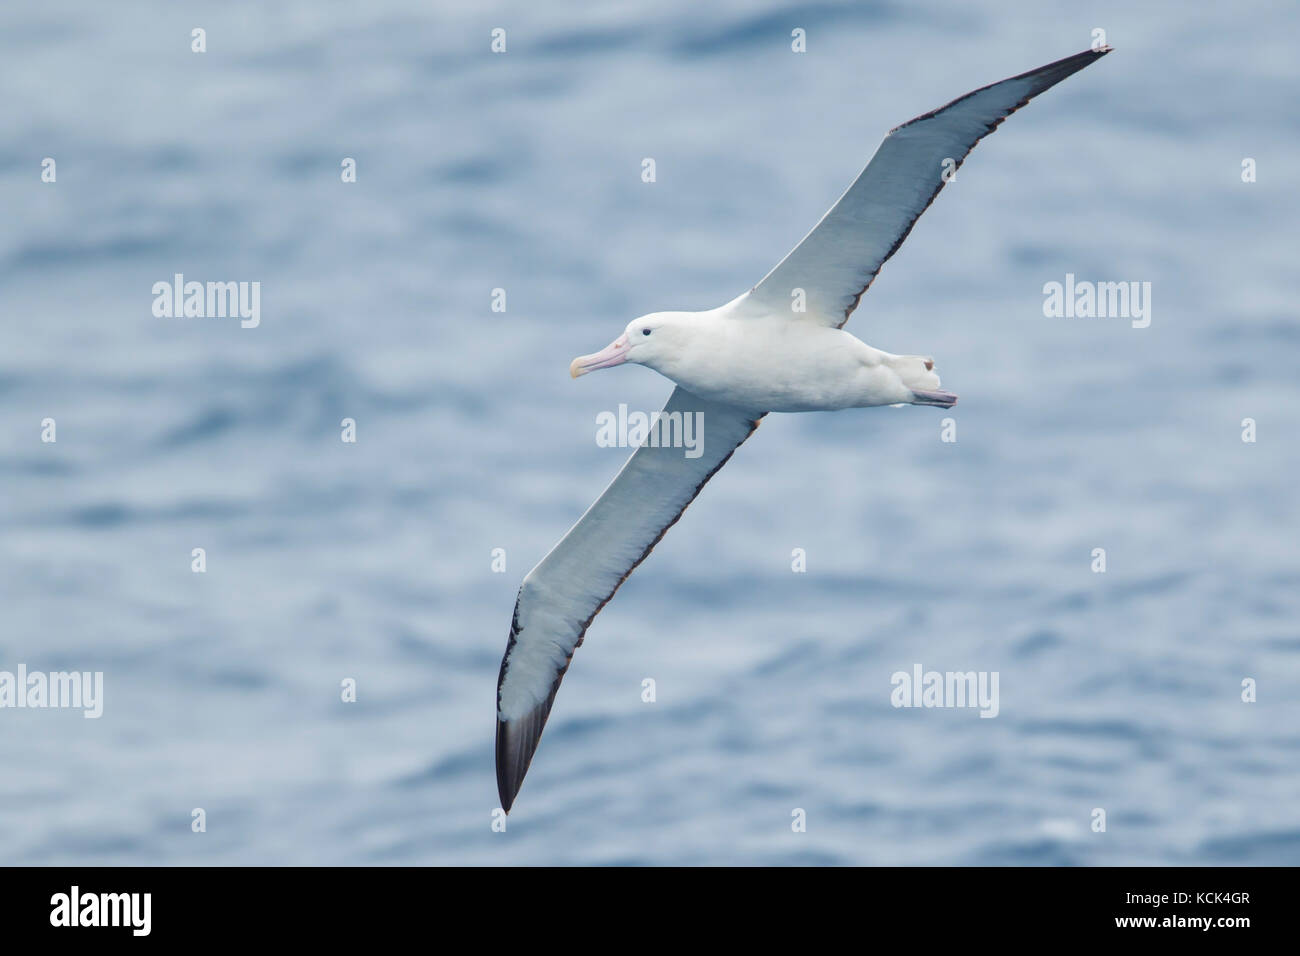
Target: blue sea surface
(522,171)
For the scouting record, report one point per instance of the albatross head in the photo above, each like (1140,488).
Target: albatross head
(654,340)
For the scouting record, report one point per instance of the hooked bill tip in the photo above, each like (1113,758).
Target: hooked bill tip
(575,369)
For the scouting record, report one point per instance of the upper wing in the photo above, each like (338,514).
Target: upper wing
(837,261)
(564,593)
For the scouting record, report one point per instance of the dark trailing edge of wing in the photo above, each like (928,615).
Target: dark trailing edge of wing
(1055,72)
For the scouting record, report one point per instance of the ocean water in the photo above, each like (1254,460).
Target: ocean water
(521,171)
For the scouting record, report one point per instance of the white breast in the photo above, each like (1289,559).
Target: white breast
(775,365)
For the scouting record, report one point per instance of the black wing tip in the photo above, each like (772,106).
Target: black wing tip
(1058,70)
(517,741)
(1066,65)
(508,783)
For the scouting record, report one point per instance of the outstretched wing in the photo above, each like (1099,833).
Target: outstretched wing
(564,593)
(839,259)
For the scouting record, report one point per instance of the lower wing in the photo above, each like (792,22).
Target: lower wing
(563,594)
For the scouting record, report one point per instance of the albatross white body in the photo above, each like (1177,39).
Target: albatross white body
(780,347)
(749,357)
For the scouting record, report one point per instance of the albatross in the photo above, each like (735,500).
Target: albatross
(780,347)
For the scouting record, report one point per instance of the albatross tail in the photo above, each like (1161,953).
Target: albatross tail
(918,375)
(927,397)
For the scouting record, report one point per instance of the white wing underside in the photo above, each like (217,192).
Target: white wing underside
(838,260)
(560,597)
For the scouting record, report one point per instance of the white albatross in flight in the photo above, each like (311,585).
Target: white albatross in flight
(754,355)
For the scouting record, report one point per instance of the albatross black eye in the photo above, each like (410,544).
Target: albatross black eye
(645,331)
